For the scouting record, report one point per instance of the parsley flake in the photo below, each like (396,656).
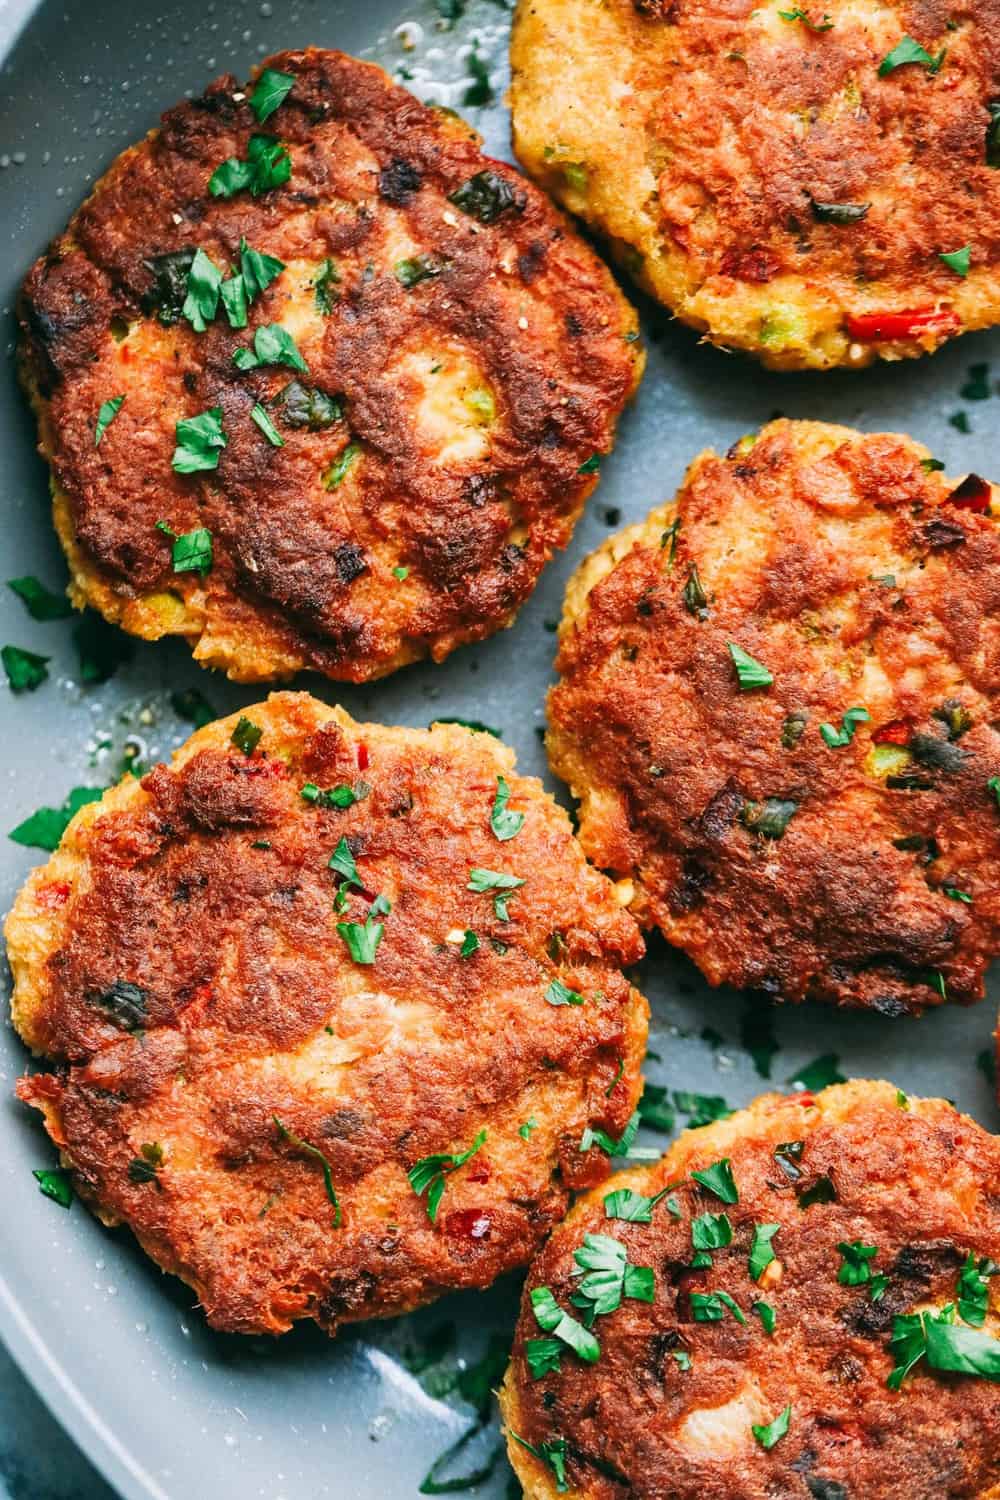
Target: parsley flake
(718,1179)
(944,1344)
(25,670)
(267,427)
(973,1289)
(552,1319)
(524,1131)
(560,994)
(341,467)
(504,823)
(632,1207)
(768,1317)
(314,1151)
(761,1253)
(908,51)
(710,1307)
(267,165)
(325,287)
(200,440)
(836,739)
(428,1174)
(247,735)
(191,551)
(202,299)
(750,674)
(856,1268)
(272,88)
(55,1183)
(774,1431)
(106,415)
(40,603)
(958,261)
(552,1452)
(606,1276)
(362,939)
(272,345)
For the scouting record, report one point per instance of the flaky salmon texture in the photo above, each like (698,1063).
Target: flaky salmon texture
(778,702)
(814,184)
(802,1300)
(321,386)
(332,1011)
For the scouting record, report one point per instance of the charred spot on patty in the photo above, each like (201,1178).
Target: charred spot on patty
(320,343)
(259,969)
(796,749)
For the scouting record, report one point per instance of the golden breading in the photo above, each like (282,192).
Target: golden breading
(818,819)
(427,366)
(270,994)
(787,178)
(753,1357)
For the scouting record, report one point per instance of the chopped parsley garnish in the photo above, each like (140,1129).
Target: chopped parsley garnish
(669,538)
(202,300)
(144,1167)
(258,270)
(702,1108)
(611,1147)
(552,1319)
(836,739)
(682,1357)
(40,603)
(954,894)
(909,51)
(233,293)
(267,166)
(410,273)
(769,818)
(774,1431)
(200,440)
(973,1289)
(271,89)
(654,1110)
(718,1179)
(267,427)
(945,1345)
(362,939)
(428,1174)
(25,670)
(495,880)
(711,1232)
(592,465)
(486,196)
(106,415)
(766,1314)
(878,1286)
(560,994)
(341,861)
(958,261)
(632,1207)
(340,796)
(552,1453)
(308,406)
(800,15)
(606,1276)
(710,1307)
(45,828)
(324,288)
(761,1253)
(818,1074)
(504,823)
(480,91)
(401,573)
(272,345)
(524,1131)
(341,467)
(694,596)
(54,1183)
(247,735)
(822,1191)
(470,944)
(191,551)
(856,1267)
(316,1153)
(750,674)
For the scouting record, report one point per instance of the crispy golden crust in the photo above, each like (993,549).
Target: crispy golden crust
(472,397)
(699,138)
(920,1182)
(859,580)
(178,960)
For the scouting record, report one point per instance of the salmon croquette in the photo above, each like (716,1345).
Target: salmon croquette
(329,1008)
(802,1300)
(321,386)
(778,703)
(815,184)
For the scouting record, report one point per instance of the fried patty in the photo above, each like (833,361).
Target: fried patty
(786,178)
(874,1208)
(392,486)
(821,821)
(269,994)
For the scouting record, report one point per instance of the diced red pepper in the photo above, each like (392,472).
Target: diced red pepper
(53,895)
(362,757)
(896,732)
(886,326)
(972,494)
(470,1223)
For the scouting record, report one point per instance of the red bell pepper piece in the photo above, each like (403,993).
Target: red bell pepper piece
(911,323)
(972,494)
